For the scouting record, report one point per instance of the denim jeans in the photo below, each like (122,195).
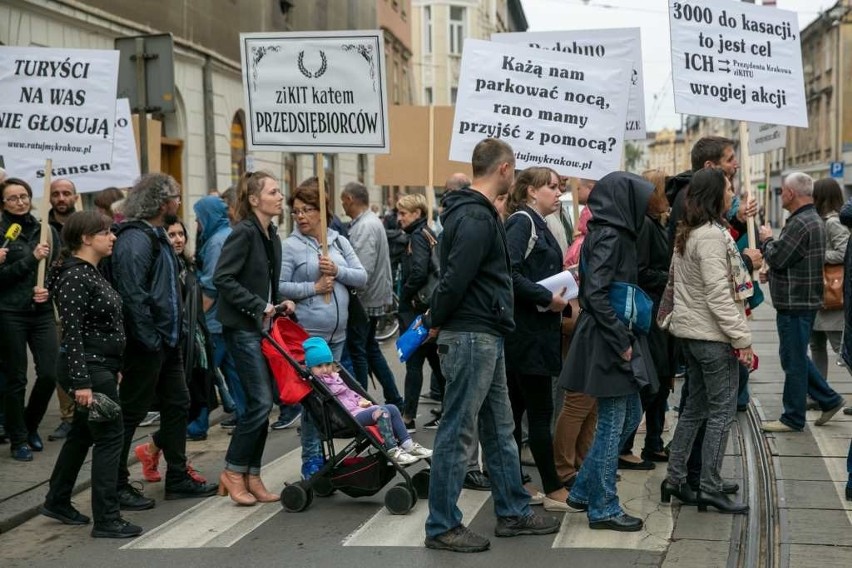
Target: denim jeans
(245,451)
(148,376)
(475,370)
(367,357)
(19,330)
(849,465)
(223,360)
(713,382)
(618,417)
(310,436)
(105,439)
(801,377)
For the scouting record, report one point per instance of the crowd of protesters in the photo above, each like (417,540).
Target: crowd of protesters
(181,333)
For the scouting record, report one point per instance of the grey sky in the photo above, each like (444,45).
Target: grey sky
(652,17)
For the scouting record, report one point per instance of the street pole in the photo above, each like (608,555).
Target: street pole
(142,105)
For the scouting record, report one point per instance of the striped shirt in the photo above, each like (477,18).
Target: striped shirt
(796,262)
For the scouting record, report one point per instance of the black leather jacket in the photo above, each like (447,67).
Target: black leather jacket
(19,272)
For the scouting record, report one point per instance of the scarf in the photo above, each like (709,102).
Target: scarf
(741,281)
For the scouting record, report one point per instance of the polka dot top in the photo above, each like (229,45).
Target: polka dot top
(90,314)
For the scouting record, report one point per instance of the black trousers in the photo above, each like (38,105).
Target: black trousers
(534,394)
(107,439)
(18,330)
(147,375)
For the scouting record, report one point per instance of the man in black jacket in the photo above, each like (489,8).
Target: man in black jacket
(472,307)
(145,272)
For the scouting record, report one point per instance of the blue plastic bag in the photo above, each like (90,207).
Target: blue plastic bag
(632,306)
(414,337)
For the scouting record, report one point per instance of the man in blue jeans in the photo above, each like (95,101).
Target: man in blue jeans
(796,262)
(472,307)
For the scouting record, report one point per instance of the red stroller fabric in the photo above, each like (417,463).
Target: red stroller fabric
(292,388)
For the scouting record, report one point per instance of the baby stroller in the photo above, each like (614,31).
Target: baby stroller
(361,468)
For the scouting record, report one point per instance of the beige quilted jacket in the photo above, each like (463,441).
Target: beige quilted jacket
(704,305)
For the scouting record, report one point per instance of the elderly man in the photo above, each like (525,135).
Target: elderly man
(367,235)
(796,261)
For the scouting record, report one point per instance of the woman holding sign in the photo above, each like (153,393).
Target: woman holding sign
(533,350)
(26,319)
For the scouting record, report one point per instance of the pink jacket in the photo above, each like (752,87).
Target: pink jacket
(572,256)
(348,397)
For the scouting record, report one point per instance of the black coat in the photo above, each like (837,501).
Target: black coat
(247,274)
(475,292)
(18,274)
(594,364)
(534,347)
(414,268)
(654,259)
(846,349)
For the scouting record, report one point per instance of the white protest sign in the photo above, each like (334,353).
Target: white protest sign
(737,60)
(57,103)
(764,138)
(315,91)
(93,172)
(623,43)
(562,111)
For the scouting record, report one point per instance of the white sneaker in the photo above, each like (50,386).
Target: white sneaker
(150,419)
(419,451)
(402,457)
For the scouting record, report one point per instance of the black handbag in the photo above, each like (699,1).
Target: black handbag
(424,294)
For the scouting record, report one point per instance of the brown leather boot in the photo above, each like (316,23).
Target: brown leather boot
(234,484)
(258,489)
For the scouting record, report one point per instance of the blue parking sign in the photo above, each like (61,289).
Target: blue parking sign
(835,169)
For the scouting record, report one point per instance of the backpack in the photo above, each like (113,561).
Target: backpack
(105,265)
(533,234)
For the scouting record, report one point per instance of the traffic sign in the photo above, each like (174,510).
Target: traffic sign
(836,170)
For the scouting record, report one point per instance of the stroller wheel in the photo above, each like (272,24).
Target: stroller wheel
(399,500)
(323,487)
(420,481)
(295,498)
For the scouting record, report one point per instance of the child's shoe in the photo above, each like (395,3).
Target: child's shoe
(419,451)
(402,457)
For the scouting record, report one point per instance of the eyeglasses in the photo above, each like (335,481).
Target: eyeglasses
(303,211)
(174,196)
(17,199)
(104,232)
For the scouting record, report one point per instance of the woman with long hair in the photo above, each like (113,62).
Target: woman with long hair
(828,324)
(93,343)
(711,286)
(26,320)
(247,279)
(533,349)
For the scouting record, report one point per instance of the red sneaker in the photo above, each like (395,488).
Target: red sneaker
(193,473)
(149,462)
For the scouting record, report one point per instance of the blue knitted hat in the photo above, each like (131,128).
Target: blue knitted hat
(317,352)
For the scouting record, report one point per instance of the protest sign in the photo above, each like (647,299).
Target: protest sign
(764,138)
(623,43)
(562,111)
(736,60)
(315,91)
(89,173)
(57,103)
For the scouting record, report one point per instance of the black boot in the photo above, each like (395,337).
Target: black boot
(683,492)
(720,502)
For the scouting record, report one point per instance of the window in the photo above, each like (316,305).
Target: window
(457,31)
(238,146)
(427,29)
(427,95)
(454,92)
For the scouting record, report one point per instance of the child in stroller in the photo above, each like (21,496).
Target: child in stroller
(397,441)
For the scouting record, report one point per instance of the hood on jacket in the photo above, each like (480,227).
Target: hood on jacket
(676,183)
(57,269)
(620,199)
(464,196)
(418,224)
(212,212)
(331,234)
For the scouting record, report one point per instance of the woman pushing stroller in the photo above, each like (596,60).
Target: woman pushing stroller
(397,441)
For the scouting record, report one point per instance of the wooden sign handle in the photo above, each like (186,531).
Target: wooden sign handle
(45,222)
(745,165)
(322,211)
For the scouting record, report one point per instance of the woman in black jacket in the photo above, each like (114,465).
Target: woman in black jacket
(654,254)
(93,342)
(606,360)
(26,319)
(247,279)
(533,349)
(419,260)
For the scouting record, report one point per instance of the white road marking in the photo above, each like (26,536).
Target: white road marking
(833,442)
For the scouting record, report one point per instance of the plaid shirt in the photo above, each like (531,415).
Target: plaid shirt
(796,260)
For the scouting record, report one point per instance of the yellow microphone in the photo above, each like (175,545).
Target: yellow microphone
(12,233)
